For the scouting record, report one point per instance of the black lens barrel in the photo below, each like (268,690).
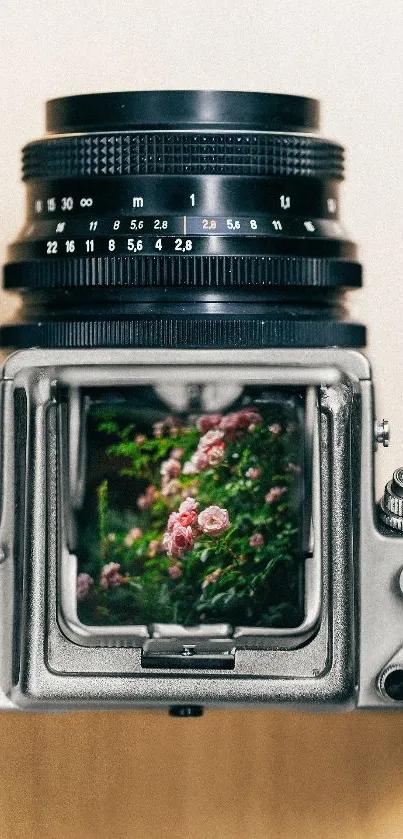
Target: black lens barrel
(184,218)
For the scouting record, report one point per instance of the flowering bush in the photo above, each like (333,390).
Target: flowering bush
(208,533)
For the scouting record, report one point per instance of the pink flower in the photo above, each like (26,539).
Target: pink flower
(173,518)
(214,520)
(158,429)
(208,421)
(146,500)
(211,578)
(256,540)
(140,439)
(170,468)
(253,473)
(198,463)
(176,454)
(211,438)
(179,540)
(274,494)
(216,454)
(153,547)
(110,577)
(245,420)
(190,468)
(84,583)
(132,535)
(275,429)
(187,519)
(188,505)
(175,572)
(170,488)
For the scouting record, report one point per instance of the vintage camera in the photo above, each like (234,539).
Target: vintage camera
(188,433)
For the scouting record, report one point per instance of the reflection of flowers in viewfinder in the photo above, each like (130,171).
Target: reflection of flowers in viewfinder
(275,429)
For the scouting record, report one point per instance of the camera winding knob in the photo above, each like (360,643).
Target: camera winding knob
(391,505)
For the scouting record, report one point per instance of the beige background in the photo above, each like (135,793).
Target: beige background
(258,774)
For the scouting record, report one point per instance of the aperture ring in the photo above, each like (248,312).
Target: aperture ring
(168,271)
(196,153)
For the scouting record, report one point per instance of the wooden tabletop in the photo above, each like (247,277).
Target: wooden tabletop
(229,775)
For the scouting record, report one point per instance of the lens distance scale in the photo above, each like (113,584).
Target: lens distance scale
(206,193)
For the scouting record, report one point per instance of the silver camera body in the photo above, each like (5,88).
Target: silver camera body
(348,650)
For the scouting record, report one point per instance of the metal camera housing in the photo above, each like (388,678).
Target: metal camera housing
(348,650)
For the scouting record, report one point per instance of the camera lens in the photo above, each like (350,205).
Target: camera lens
(182,219)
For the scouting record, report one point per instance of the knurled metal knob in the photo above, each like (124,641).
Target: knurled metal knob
(391,504)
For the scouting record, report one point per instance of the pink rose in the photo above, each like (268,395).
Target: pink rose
(176,454)
(146,500)
(256,540)
(132,535)
(211,578)
(179,540)
(253,473)
(214,520)
(158,429)
(274,494)
(175,572)
(173,518)
(211,438)
(170,468)
(216,454)
(153,547)
(187,519)
(84,583)
(190,468)
(199,461)
(170,488)
(208,421)
(189,505)
(275,429)
(110,577)
(240,421)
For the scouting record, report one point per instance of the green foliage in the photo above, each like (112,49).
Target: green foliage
(221,578)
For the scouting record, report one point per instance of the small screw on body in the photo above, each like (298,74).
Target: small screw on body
(382,433)
(3,554)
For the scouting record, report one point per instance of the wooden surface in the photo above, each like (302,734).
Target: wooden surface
(229,775)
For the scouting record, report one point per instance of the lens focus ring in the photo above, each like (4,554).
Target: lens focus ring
(166,153)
